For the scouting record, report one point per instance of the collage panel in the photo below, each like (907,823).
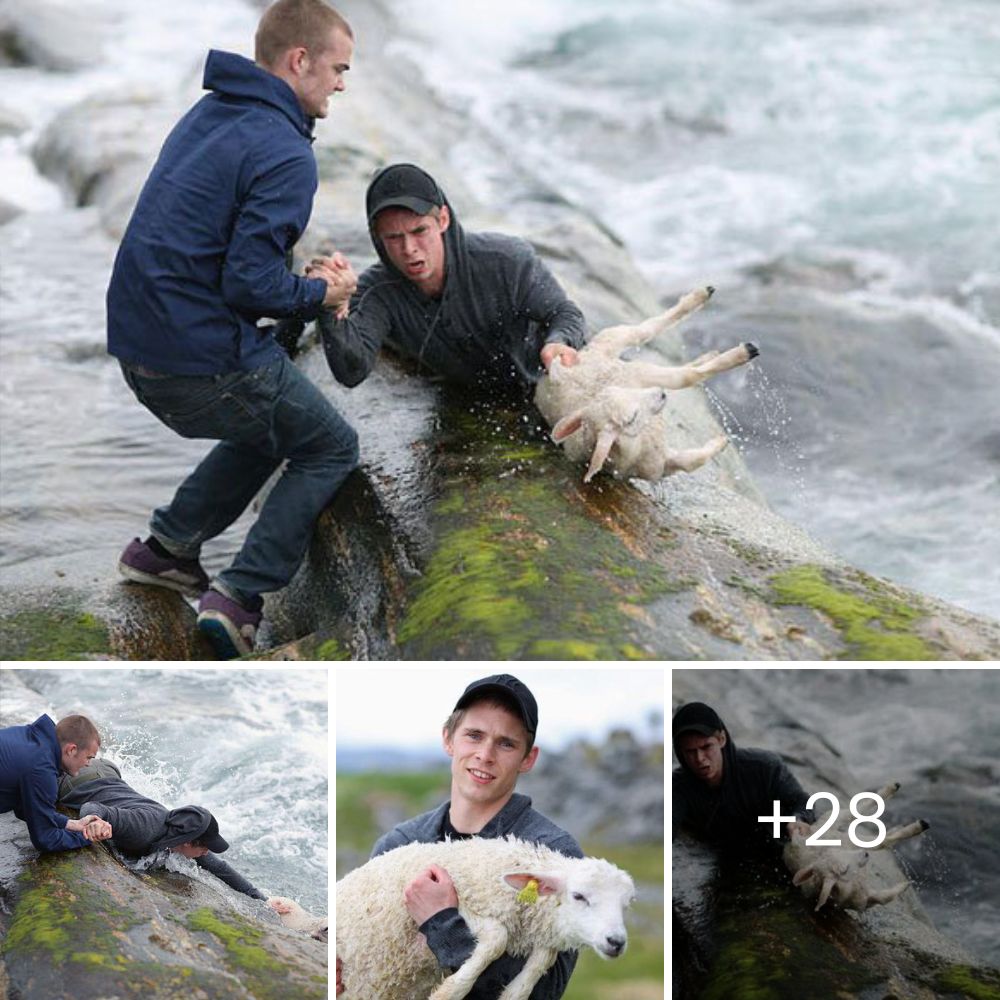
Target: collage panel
(429,755)
(163,833)
(834,833)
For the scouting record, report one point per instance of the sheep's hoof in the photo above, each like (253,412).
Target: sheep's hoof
(710,289)
(924,825)
(752,350)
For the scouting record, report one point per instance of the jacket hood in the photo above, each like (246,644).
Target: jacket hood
(230,75)
(456,256)
(697,717)
(188,823)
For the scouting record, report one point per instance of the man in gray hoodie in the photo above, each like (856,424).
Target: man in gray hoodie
(490,739)
(480,309)
(146,831)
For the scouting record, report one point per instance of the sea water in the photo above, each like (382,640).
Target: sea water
(831,167)
(248,745)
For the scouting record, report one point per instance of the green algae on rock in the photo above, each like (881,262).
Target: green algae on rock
(80,925)
(873,624)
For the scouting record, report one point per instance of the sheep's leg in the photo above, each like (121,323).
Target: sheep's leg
(520,987)
(614,339)
(886,895)
(689,459)
(913,829)
(491,943)
(646,373)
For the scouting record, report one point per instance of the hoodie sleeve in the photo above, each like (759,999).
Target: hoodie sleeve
(449,938)
(542,299)
(46,827)
(786,788)
(213,864)
(269,222)
(351,345)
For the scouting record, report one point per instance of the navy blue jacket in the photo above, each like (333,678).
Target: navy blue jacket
(203,257)
(29,780)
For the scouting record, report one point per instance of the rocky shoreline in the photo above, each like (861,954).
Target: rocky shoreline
(466,533)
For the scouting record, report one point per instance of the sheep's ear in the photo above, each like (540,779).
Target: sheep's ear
(546,885)
(802,875)
(602,449)
(824,894)
(568,425)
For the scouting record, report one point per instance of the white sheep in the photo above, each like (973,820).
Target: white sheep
(834,873)
(520,898)
(293,915)
(610,410)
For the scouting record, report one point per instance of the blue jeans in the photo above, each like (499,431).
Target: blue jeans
(260,418)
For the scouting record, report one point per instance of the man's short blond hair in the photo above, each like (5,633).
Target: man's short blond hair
(77,729)
(291,24)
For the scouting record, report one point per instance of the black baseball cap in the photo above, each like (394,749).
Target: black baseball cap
(697,717)
(212,839)
(510,688)
(402,185)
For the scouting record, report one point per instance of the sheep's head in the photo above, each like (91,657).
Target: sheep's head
(614,414)
(593,895)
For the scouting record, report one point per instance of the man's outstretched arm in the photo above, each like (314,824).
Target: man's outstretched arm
(213,864)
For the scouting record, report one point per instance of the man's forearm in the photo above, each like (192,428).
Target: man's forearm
(452,942)
(216,866)
(350,347)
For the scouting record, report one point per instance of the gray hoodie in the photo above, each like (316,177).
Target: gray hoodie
(448,935)
(142,827)
(499,307)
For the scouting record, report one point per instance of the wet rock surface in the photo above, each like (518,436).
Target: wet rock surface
(78,924)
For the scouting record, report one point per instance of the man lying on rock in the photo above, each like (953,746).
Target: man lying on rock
(480,309)
(31,759)
(719,791)
(145,832)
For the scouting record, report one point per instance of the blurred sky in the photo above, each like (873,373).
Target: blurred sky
(404,707)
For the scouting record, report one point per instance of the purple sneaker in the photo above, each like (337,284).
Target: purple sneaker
(141,564)
(228,625)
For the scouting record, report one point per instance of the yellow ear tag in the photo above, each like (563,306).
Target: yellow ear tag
(529,894)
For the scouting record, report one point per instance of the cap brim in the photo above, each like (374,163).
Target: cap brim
(697,728)
(419,205)
(215,844)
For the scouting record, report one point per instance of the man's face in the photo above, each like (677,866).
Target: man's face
(75,758)
(323,74)
(487,754)
(703,755)
(415,245)
(190,851)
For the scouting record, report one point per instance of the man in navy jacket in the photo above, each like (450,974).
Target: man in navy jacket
(31,758)
(201,264)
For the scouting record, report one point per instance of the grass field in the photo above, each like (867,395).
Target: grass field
(363,798)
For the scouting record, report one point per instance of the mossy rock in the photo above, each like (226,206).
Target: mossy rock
(83,926)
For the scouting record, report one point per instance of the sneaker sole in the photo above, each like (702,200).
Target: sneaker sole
(138,576)
(225,639)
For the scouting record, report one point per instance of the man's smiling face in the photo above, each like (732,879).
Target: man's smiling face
(487,754)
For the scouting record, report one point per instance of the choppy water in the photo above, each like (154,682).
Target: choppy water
(830,167)
(250,746)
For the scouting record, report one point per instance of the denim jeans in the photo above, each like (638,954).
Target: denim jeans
(260,418)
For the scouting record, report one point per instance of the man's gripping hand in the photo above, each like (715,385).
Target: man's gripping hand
(567,355)
(430,892)
(92,827)
(341,281)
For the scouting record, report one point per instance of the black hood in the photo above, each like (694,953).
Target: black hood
(697,717)
(187,824)
(409,195)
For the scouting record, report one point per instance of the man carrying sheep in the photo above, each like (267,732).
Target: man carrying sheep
(719,791)
(490,739)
